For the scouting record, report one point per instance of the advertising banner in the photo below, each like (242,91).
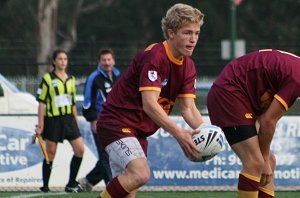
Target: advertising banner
(21,161)
(170,167)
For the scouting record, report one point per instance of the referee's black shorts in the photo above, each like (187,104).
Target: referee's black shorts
(59,128)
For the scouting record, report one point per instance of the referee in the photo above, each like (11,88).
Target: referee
(57,118)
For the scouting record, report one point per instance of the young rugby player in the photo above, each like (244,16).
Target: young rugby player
(143,97)
(254,90)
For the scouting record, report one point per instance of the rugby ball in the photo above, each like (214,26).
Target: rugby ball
(210,141)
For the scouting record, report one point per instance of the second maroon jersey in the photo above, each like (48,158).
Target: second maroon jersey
(152,69)
(263,75)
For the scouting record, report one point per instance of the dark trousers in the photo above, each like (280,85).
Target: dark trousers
(102,168)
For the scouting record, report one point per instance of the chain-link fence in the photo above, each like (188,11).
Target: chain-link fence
(18,58)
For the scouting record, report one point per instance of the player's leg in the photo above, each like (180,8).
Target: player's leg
(244,142)
(51,135)
(95,175)
(70,132)
(129,166)
(132,194)
(47,167)
(105,164)
(267,191)
(233,108)
(51,149)
(100,171)
(78,148)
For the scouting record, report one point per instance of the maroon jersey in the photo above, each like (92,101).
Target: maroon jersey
(253,80)
(155,69)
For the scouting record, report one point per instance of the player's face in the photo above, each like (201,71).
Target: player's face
(184,40)
(107,62)
(61,61)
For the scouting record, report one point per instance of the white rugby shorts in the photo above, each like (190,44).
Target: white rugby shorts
(121,152)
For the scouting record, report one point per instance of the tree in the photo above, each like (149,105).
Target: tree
(47,25)
(48,30)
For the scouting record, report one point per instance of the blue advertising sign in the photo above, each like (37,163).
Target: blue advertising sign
(170,167)
(20,160)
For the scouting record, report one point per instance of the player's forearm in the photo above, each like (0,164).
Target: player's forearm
(157,114)
(41,111)
(265,135)
(192,117)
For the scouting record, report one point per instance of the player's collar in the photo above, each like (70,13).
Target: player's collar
(170,55)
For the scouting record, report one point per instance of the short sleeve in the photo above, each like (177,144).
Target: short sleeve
(189,84)
(150,78)
(288,94)
(42,91)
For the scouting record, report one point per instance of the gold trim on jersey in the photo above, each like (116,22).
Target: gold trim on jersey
(150,89)
(284,104)
(170,55)
(150,47)
(186,96)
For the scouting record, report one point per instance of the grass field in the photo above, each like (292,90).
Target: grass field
(139,195)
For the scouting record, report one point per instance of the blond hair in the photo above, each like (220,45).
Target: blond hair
(178,15)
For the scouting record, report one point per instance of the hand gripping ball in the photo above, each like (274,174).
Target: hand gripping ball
(210,141)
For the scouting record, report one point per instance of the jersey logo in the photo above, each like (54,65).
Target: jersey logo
(54,83)
(165,104)
(107,85)
(152,75)
(164,82)
(39,91)
(126,130)
(248,115)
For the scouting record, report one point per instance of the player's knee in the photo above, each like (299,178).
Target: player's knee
(143,177)
(51,156)
(51,153)
(79,152)
(258,164)
(255,164)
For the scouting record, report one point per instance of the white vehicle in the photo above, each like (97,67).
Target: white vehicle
(13,101)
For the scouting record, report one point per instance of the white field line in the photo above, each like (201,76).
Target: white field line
(38,195)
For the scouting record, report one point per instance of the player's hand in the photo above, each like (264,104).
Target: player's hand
(38,129)
(267,174)
(189,148)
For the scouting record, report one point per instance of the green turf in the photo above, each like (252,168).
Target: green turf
(140,195)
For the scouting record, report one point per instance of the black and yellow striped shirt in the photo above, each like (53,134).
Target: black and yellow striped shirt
(58,96)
